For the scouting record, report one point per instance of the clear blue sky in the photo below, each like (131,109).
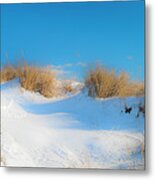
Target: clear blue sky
(73,35)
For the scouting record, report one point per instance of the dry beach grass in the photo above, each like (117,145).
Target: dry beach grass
(100,82)
(36,79)
(103,83)
(8,72)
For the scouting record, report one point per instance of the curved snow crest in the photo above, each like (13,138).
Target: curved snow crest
(93,114)
(73,132)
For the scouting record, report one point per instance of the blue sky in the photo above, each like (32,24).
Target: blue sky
(72,36)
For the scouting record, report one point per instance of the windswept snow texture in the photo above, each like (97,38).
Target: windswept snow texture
(75,131)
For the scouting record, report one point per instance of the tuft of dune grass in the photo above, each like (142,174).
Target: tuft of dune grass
(68,88)
(103,83)
(36,79)
(8,72)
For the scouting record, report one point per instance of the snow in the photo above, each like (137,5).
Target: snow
(74,131)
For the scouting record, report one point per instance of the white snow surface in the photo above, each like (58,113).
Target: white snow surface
(75,131)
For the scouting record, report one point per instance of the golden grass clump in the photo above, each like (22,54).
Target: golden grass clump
(37,79)
(32,78)
(8,73)
(68,88)
(129,88)
(103,83)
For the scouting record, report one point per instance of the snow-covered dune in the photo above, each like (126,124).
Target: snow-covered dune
(72,131)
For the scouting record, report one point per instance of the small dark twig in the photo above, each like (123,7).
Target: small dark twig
(128,109)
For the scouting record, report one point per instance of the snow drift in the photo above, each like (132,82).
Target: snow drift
(74,131)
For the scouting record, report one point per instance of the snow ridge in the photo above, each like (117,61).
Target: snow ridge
(70,132)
